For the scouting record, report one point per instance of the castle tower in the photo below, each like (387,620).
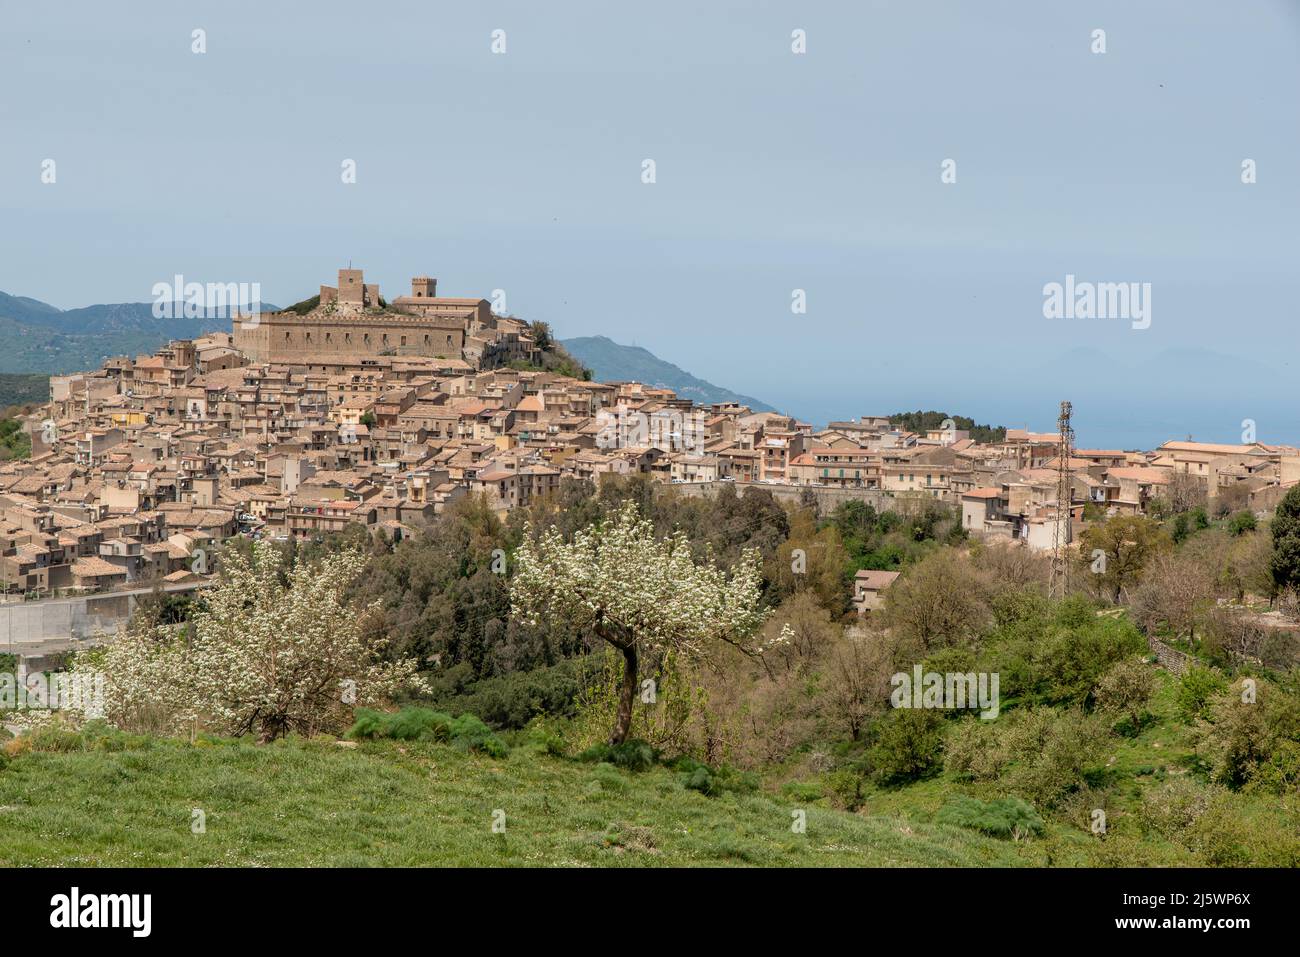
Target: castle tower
(422,287)
(352,287)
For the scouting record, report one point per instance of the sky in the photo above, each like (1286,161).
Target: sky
(774,171)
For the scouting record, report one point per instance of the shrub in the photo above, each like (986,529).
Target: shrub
(470,734)
(1221,838)
(846,785)
(1126,690)
(1280,774)
(702,780)
(1057,655)
(1243,739)
(1171,809)
(510,701)
(711,782)
(975,750)
(1003,817)
(1241,523)
(1196,689)
(550,736)
(907,747)
(466,732)
(1056,752)
(418,724)
(633,755)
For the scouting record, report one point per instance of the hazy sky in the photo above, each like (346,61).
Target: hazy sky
(775,172)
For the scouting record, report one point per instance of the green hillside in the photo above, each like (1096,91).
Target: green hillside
(22,389)
(612,362)
(36,337)
(298,803)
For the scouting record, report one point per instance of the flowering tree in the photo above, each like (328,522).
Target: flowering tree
(277,650)
(637,592)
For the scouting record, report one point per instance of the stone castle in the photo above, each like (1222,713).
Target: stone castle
(353,320)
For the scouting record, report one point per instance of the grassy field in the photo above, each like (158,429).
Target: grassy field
(304,803)
(125,800)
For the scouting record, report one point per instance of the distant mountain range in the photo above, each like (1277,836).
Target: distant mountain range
(38,337)
(611,362)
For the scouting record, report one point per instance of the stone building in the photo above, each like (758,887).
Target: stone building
(352,320)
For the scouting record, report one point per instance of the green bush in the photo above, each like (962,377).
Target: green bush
(421,724)
(1056,654)
(1197,688)
(1173,808)
(976,750)
(633,755)
(418,724)
(1003,817)
(1241,523)
(702,780)
(511,701)
(470,734)
(1245,745)
(696,776)
(549,735)
(1056,752)
(908,745)
(846,785)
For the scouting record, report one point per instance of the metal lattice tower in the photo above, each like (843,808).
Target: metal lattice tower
(1060,584)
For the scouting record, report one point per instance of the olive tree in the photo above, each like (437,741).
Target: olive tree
(637,592)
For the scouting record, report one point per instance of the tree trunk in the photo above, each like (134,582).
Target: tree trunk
(626,697)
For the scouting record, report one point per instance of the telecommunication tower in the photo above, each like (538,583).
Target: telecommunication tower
(1060,584)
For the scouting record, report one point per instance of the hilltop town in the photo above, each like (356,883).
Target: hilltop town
(348,409)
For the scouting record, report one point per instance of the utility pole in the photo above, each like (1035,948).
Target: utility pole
(1060,584)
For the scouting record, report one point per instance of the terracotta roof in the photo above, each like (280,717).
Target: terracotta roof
(873,580)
